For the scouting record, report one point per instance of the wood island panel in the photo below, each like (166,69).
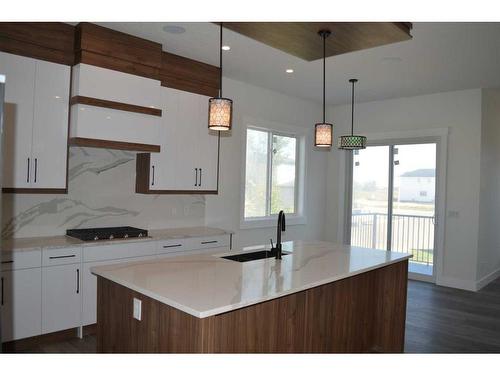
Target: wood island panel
(360,314)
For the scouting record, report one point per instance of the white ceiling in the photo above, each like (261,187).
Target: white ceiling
(440,57)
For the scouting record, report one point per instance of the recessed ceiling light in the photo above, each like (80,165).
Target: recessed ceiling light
(226,48)
(289,71)
(174,29)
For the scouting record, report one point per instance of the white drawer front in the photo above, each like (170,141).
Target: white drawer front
(210,242)
(173,246)
(22,259)
(59,256)
(118,251)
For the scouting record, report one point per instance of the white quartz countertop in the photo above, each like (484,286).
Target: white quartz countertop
(206,285)
(29,243)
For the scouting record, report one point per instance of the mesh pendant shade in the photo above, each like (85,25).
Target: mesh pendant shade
(220,114)
(323,135)
(352,142)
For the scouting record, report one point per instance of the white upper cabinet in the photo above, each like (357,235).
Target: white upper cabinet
(118,112)
(36,122)
(18,118)
(189,151)
(50,130)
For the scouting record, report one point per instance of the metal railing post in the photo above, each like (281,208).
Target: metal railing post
(374,231)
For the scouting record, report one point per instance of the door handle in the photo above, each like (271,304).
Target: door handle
(7,261)
(2,292)
(36,168)
(28,175)
(199,184)
(77,281)
(153,181)
(196,177)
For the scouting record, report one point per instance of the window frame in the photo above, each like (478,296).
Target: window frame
(298,217)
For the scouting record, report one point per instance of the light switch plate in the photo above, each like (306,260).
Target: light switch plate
(137,309)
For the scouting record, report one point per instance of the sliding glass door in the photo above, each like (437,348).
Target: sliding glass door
(394,199)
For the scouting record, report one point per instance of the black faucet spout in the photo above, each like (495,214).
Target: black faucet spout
(281,227)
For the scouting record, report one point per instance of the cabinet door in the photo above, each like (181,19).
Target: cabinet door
(207,148)
(50,125)
(163,163)
(21,303)
(61,303)
(18,119)
(186,141)
(89,287)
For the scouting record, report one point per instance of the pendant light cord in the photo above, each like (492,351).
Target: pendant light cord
(352,109)
(324,75)
(220,61)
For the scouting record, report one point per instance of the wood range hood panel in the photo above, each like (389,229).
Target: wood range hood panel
(301,38)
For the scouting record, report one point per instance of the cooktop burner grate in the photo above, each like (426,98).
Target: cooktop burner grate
(109,233)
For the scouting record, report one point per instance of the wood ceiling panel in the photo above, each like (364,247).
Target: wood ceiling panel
(301,39)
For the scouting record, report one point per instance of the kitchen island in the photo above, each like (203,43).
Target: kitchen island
(320,298)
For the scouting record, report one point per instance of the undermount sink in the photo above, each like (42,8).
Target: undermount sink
(256,255)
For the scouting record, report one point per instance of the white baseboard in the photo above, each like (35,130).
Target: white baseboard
(453,282)
(481,283)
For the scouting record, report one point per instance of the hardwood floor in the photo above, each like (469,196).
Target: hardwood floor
(439,320)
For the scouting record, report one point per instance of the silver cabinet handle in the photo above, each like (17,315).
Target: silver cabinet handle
(28,175)
(153,181)
(196,177)
(36,168)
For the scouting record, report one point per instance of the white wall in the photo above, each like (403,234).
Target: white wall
(460,111)
(223,210)
(488,266)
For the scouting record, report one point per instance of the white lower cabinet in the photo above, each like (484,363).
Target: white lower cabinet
(61,302)
(21,303)
(89,287)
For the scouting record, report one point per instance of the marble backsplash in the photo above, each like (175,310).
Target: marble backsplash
(101,192)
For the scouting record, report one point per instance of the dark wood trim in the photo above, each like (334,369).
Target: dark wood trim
(301,38)
(364,313)
(114,145)
(184,74)
(142,171)
(111,49)
(78,99)
(49,41)
(34,191)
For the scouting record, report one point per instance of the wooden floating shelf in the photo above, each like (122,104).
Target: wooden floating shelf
(115,105)
(114,145)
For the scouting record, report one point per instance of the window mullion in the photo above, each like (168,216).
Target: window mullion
(269,173)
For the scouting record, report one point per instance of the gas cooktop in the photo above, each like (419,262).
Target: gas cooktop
(109,233)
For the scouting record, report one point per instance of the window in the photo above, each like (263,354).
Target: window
(271,174)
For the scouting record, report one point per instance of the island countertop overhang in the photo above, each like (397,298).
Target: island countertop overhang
(206,285)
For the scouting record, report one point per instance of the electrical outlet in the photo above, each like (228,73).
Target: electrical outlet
(137,309)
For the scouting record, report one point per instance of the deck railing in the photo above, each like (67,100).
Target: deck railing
(410,234)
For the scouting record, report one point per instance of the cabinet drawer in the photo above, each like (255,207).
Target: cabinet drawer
(22,259)
(59,256)
(118,251)
(209,242)
(173,246)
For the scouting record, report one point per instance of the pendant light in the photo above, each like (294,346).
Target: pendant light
(352,142)
(220,109)
(323,131)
